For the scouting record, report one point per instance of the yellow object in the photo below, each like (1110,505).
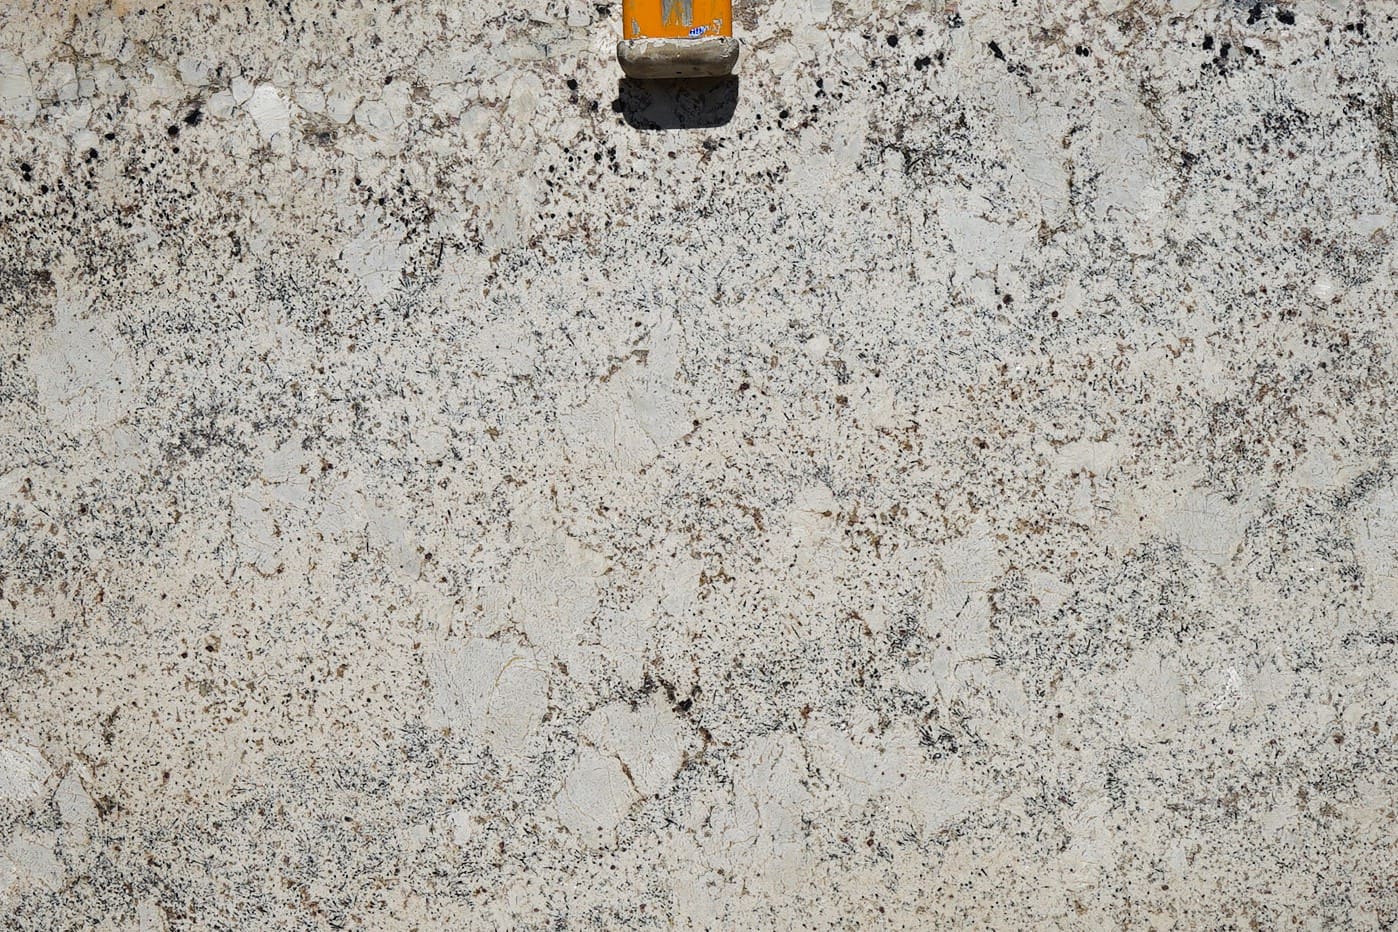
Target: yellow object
(676,19)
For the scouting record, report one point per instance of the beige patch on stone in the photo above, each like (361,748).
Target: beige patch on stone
(595,797)
(83,370)
(493,691)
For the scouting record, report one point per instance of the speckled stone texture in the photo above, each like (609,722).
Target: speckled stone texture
(944,478)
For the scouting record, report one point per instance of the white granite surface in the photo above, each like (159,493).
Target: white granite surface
(947,480)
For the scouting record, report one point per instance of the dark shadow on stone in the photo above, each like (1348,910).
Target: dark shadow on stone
(691,103)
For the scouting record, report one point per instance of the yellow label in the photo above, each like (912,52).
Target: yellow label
(676,19)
